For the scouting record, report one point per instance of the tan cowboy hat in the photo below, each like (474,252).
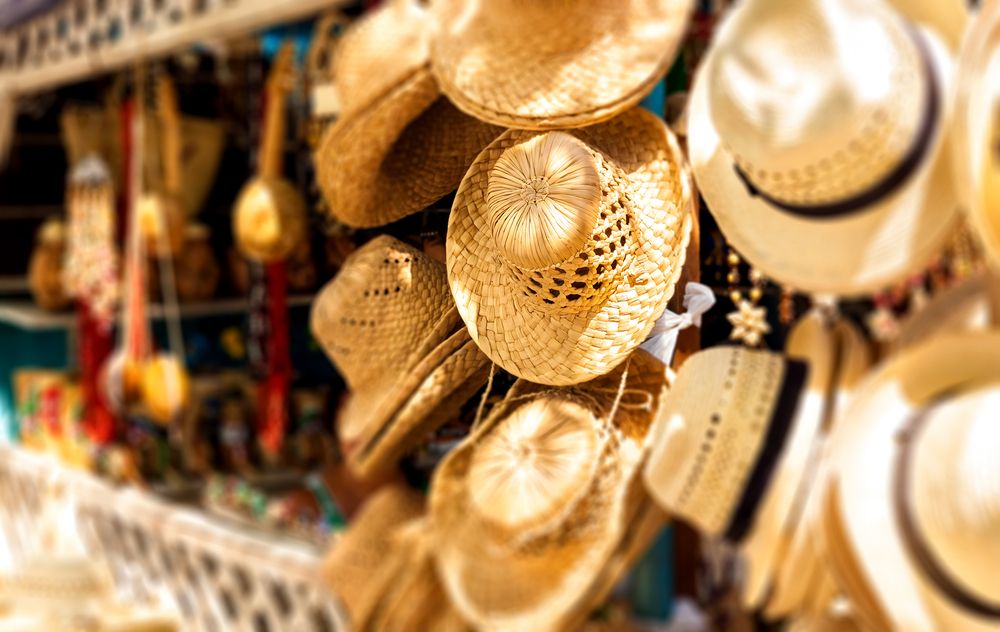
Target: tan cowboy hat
(398,145)
(737,464)
(553,65)
(803,583)
(353,568)
(388,324)
(536,514)
(912,508)
(564,247)
(977,126)
(817,134)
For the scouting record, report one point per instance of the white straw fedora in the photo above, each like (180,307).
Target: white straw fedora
(817,137)
(977,126)
(552,64)
(564,247)
(912,509)
(733,463)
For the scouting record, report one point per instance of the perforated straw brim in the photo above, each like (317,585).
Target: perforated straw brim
(552,66)
(397,156)
(548,347)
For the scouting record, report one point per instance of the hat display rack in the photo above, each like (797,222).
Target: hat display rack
(612,313)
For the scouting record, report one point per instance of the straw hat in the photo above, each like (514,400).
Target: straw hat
(977,111)
(803,583)
(964,306)
(564,247)
(947,18)
(912,510)
(536,513)
(816,133)
(551,65)
(352,566)
(387,322)
(737,464)
(398,145)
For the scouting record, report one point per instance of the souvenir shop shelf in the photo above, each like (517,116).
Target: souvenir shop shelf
(214,574)
(79,39)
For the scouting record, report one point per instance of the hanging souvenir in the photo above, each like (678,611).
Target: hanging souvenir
(161,212)
(45,269)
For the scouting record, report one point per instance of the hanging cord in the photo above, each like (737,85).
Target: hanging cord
(482,401)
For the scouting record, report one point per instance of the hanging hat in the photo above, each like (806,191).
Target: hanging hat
(737,464)
(398,145)
(537,512)
(551,65)
(947,18)
(964,306)
(912,510)
(803,583)
(564,247)
(388,324)
(816,133)
(977,126)
(353,567)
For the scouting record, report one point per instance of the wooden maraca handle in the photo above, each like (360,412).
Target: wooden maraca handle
(279,84)
(170,122)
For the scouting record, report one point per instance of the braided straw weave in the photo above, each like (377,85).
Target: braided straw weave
(351,568)
(388,323)
(529,515)
(398,145)
(564,248)
(550,64)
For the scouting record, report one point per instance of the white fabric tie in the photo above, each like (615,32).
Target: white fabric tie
(662,340)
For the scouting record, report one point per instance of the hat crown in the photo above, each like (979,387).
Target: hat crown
(802,91)
(379,310)
(955,488)
(560,215)
(380,50)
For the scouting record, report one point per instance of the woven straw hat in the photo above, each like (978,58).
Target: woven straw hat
(352,566)
(976,131)
(733,464)
(552,65)
(912,510)
(803,583)
(816,132)
(963,307)
(537,512)
(398,145)
(564,247)
(388,323)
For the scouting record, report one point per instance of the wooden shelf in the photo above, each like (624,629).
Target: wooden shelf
(27,315)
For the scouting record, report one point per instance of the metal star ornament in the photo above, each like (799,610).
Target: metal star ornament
(749,323)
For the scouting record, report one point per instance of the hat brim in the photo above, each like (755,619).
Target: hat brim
(524,79)
(975,102)
(851,255)
(862,528)
(427,398)
(962,307)
(405,151)
(571,348)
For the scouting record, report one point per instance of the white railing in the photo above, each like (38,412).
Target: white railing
(215,575)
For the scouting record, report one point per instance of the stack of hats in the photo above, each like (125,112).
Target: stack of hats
(566,238)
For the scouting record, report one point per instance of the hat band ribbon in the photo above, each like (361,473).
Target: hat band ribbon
(914,541)
(778,428)
(894,179)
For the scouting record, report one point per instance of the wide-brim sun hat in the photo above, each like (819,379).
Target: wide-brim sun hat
(388,324)
(736,465)
(534,516)
(817,135)
(976,128)
(553,65)
(912,507)
(563,248)
(397,145)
